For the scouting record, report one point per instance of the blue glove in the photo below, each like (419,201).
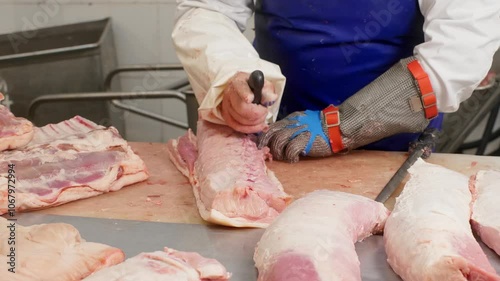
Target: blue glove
(300,133)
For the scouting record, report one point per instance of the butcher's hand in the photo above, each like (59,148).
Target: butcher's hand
(237,108)
(392,104)
(300,133)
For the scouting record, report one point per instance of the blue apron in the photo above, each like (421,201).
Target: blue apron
(330,49)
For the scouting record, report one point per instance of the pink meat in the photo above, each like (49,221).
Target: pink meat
(488,79)
(15,132)
(54,170)
(74,126)
(169,265)
(486,209)
(230,180)
(313,239)
(53,252)
(428,235)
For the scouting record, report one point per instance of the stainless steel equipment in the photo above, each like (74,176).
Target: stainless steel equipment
(458,125)
(179,90)
(233,247)
(71,58)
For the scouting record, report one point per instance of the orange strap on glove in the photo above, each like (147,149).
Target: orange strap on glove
(427,98)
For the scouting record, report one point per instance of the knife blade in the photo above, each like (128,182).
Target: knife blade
(420,148)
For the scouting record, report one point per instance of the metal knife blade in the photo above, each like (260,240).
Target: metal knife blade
(421,148)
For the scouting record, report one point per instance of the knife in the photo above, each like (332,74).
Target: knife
(256,82)
(420,148)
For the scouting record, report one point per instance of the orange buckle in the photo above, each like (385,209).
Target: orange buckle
(428,97)
(332,119)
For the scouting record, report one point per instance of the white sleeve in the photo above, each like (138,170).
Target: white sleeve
(461,38)
(210,44)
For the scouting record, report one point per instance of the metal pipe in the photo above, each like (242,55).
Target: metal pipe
(159,67)
(101,96)
(151,115)
(475,144)
(487,131)
(136,68)
(489,104)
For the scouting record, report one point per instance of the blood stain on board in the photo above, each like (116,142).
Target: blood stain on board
(157,182)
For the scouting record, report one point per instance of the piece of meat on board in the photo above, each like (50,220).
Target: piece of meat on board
(52,252)
(169,265)
(15,132)
(428,235)
(74,126)
(485,188)
(55,171)
(314,238)
(231,182)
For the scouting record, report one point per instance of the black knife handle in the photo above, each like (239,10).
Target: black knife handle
(256,82)
(429,136)
(426,141)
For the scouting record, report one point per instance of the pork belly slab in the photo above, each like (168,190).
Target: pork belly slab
(314,238)
(428,235)
(230,180)
(52,252)
(169,265)
(72,160)
(486,209)
(15,132)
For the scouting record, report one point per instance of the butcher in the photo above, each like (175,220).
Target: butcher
(339,75)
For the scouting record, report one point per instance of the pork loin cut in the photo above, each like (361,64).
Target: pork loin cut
(314,238)
(230,180)
(428,235)
(15,132)
(54,252)
(169,265)
(76,161)
(486,209)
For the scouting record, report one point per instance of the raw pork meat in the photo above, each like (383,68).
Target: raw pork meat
(230,180)
(77,161)
(313,239)
(15,132)
(428,235)
(486,209)
(54,252)
(170,265)
(52,132)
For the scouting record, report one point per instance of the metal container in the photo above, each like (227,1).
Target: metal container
(72,58)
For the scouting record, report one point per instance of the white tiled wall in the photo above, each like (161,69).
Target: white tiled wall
(142,31)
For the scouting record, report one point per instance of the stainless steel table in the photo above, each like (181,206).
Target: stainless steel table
(232,247)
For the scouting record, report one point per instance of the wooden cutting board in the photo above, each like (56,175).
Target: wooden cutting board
(167,196)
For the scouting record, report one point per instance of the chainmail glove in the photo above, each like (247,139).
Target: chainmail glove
(299,133)
(399,101)
(392,104)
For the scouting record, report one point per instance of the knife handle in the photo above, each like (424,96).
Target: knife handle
(426,142)
(429,136)
(256,82)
